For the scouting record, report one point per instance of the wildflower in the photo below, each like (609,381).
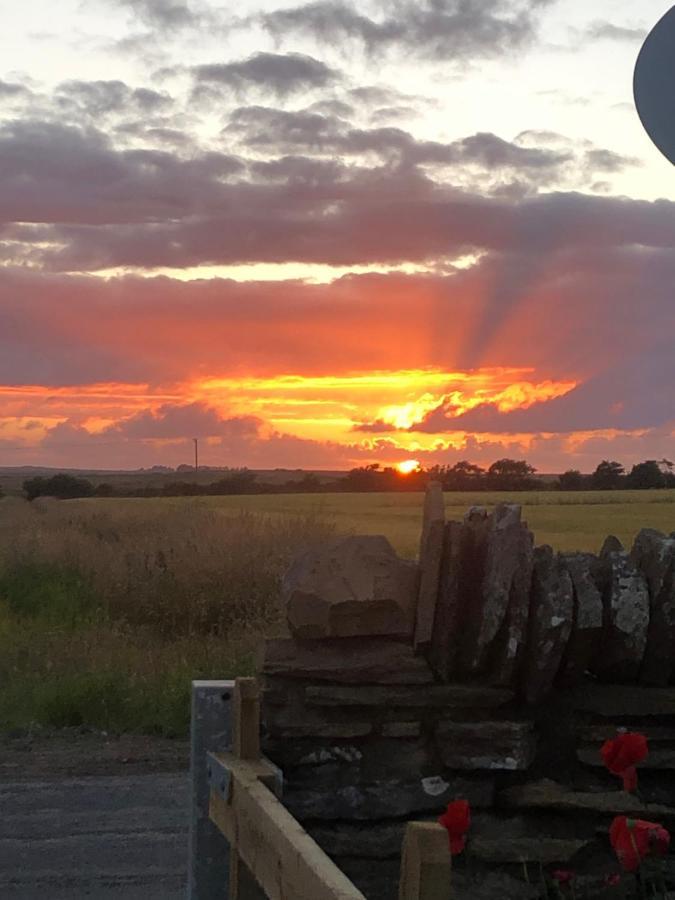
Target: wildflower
(457,821)
(633,840)
(622,753)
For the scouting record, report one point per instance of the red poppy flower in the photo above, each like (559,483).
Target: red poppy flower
(633,840)
(563,876)
(622,754)
(457,820)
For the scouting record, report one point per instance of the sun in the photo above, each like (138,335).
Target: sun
(408,466)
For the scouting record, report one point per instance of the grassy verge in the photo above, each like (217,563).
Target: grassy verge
(107,615)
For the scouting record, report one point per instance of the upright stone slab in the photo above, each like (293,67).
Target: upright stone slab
(551,611)
(625,598)
(654,555)
(508,653)
(587,627)
(351,587)
(431,552)
(501,549)
(495,746)
(446,634)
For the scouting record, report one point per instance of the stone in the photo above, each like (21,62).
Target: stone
(542,849)
(346,661)
(288,724)
(549,795)
(552,610)
(495,746)
(350,587)
(497,555)
(401,729)
(508,654)
(491,886)
(654,555)
(376,879)
(587,623)
(657,759)
(626,605)
(624,701)
(391,799)
(450,696)
(430,557)
(445,639)
(376,840)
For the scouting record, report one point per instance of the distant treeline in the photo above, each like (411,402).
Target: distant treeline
(503,475)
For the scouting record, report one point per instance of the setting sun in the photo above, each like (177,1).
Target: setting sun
(408,467)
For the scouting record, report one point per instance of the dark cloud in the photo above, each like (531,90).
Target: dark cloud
(173,421)
(447,30)
(99,98)
(169,15)
(602,30)
(278,74)
(12,90)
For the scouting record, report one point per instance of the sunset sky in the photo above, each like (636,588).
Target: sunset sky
(330,234)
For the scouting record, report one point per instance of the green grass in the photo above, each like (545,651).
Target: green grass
(108,608)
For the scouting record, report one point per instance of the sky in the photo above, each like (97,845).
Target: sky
(332,234)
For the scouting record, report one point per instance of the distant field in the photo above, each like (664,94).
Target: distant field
(567,521)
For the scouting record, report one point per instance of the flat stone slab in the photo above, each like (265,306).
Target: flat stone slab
(543,850)
(455,696)
(624,701)
(350,587)
(387,799)
(347,661)
(549,795)
(657,759)
(495,746)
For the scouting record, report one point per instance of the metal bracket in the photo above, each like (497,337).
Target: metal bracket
(219,776)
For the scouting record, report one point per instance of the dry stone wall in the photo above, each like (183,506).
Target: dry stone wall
(491,670)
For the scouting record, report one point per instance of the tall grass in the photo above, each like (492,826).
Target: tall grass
(107,613)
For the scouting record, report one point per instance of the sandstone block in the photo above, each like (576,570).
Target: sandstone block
(351,587)
(626,615)
(654,555)
(346,661)
(431,552)
(551,615)
(549,795)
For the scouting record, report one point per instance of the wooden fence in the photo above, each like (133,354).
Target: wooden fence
(270,855)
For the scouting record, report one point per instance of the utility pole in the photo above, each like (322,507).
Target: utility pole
(196,440)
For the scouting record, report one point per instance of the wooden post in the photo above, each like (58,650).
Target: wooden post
(246,719)
(426,863)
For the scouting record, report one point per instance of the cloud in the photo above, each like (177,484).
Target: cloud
(99,98)
(279,74)
(442,30)
(168,15)
(603,30)
(634,393)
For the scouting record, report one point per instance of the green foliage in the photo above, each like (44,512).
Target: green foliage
(572,480)
(55,594)
(646,476)
(609,476)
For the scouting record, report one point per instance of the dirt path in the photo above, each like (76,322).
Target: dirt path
(89,816)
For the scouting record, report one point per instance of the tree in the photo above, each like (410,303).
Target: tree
(572,480)
(609,476)
(63,486)
(646,476)
(510,475)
